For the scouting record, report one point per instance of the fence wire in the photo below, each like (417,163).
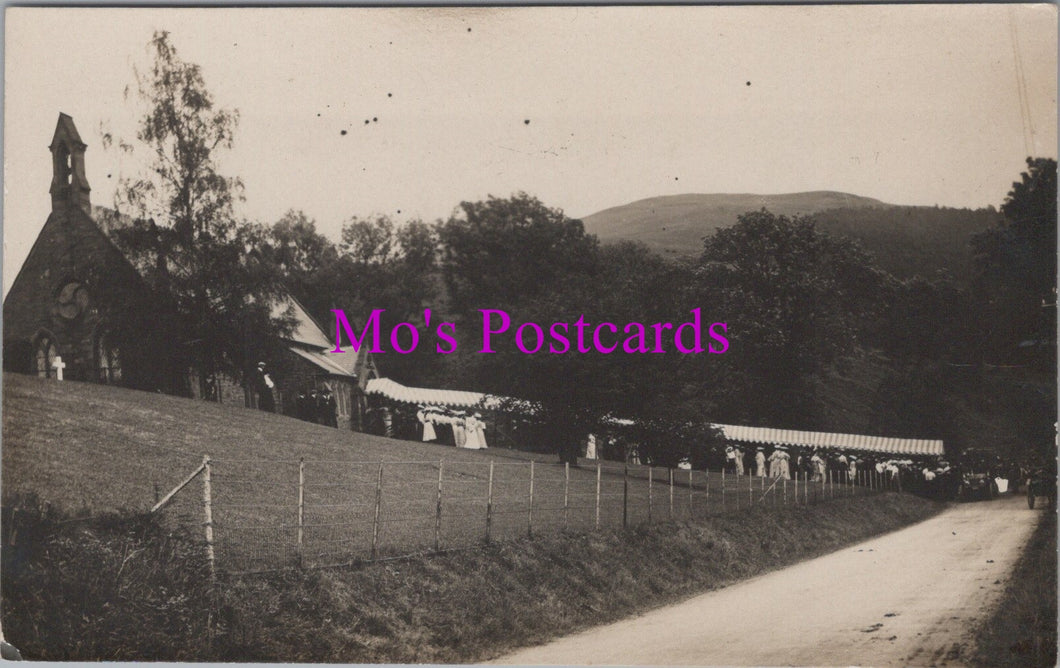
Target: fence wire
(269,515)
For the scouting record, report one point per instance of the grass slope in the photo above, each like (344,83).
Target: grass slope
(70,442)
(124,589)
(1022,631)
(94,448)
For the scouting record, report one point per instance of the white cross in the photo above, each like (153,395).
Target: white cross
(58,365)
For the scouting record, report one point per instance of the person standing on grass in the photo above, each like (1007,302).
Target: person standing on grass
(760,462)
(785,463)
(427,426)
(460,429)
(328,409)
(818,467)
(264,386)
(303,408)
(739,459)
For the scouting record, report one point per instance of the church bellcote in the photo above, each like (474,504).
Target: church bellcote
(69,184)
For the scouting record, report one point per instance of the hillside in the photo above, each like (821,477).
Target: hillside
(906,240)
(83,445)
(677,223)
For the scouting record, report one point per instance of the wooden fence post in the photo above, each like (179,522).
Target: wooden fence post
(723,489)
(691,508)
(438,511)
(597,525)
(625,496)
(530,507)
(785,490)
(301,503)
(650,499)
(378,507)
(750,490)
(671,473)
(796,488)
(207,506)
(489,505)
(566,493)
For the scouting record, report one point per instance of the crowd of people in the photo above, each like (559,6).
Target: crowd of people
(459,428)
(932,476)
(318,406)
(429,424)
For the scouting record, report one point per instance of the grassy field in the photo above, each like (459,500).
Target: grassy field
(96,448)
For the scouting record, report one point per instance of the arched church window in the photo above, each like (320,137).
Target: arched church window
(45,357)
(108,361)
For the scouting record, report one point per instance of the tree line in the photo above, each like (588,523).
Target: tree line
(798,302)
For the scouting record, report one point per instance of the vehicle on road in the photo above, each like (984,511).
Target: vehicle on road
(1041,482)
(976,470)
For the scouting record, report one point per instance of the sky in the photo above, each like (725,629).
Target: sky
(583,107)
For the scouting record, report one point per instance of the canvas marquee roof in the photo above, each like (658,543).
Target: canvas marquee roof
(820,439)
(764,435)
(430,397)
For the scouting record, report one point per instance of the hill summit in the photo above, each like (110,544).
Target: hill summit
(678,223)
(906,240)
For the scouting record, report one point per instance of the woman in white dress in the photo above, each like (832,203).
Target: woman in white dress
(426,416)
(459,429)
(480,430)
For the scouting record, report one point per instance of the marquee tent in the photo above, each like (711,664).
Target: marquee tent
(420,396)
(820,439)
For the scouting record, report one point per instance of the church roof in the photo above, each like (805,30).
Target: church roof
(65,128)
(322,360)
(306,330)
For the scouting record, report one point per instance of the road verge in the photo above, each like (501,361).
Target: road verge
(79,590)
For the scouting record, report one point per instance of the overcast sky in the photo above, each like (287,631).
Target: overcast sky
(907,104)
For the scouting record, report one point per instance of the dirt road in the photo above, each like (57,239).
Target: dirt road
(911,597)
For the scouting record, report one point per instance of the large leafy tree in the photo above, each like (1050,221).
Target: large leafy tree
(307,259)
(795,300)
(505,251)
(385,265)
(1016,267)
(185,238)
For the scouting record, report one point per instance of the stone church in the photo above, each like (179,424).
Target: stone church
(79,307)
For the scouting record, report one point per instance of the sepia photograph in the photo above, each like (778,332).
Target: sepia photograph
(569,335)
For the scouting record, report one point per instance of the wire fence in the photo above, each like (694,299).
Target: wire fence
(268,515)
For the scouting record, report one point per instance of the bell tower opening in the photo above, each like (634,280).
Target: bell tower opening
(69,185)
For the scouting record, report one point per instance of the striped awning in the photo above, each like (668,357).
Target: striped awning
(821,439)
(430,397)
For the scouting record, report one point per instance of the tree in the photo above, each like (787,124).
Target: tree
(795,300)
(307,259)
(185,238)
(1016,267)
(384,265)
(504,251)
